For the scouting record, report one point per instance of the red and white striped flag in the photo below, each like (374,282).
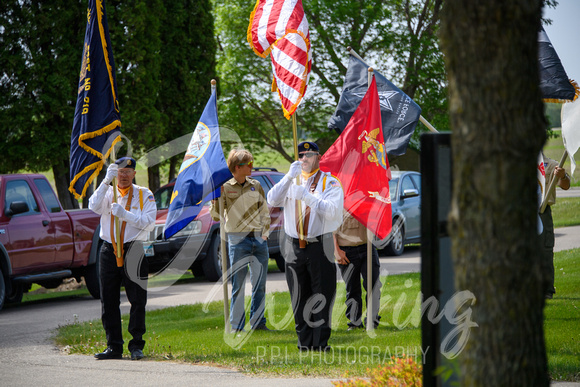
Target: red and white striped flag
(279,28)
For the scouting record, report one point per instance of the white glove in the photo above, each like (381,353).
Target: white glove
(118,211)
(112,172)
(296,192)
(295,169)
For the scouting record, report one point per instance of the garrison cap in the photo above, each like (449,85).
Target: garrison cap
(307,146)
(126,162)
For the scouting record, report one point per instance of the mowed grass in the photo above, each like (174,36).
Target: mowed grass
(562,318)
(566,212)
(195,334)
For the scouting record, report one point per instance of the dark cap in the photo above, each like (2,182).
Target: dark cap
(307,146)
(126,162)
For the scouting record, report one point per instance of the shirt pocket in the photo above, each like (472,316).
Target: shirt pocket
(351,223)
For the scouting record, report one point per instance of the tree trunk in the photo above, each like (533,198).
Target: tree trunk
(62,182)
(498,126)
(153,176)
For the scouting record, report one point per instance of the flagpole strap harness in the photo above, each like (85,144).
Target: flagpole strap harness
(124,224)
(302,237)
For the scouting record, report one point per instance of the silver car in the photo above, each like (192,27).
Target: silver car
(405,190)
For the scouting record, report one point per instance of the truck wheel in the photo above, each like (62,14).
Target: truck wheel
(92,278)
(212,264)
(15,297)
(2,289)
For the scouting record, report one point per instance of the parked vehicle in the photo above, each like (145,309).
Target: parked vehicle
(405,190)
(197,246)
(42,243)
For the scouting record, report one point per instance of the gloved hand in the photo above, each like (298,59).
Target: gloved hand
(112,172)
(118,210)
(295,169)
(296,192)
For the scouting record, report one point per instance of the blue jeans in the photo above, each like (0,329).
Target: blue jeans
(244,251)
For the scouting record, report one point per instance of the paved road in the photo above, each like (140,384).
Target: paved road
(29,357)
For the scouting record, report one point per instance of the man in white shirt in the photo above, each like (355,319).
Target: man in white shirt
(312,211)
(136,210)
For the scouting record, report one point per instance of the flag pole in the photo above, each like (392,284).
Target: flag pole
(224,257)
(552,184)
(119,255)
(370,284)
(301,236)
(421,118)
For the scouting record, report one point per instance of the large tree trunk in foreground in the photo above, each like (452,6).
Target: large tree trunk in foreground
(498,130)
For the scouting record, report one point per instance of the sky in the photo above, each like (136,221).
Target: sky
(563,34)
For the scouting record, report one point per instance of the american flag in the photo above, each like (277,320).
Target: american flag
(279,28)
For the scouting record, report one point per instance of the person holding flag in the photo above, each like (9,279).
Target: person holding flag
(135,207)
(247,224)
(350,250)
(358,158)
(312,201)
(552,172)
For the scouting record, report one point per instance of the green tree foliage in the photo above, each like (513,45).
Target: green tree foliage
(164,53)
(397,37)
(39,71)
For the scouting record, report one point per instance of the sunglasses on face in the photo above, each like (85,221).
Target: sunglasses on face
(250,164)
(307,154)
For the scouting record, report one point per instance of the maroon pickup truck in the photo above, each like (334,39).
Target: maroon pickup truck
(40,242)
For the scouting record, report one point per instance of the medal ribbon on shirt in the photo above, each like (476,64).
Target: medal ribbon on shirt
(302,237)
(122,237)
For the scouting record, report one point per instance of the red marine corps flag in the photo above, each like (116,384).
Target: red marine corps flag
(359,160)
(279,28)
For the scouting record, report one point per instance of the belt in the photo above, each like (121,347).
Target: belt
(315,239)
(255,234)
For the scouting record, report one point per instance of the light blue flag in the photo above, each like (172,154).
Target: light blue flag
(203,171)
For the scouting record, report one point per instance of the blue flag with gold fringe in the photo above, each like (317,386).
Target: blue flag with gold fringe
(97,119)
(203,171)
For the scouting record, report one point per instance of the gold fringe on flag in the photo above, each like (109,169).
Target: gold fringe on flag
(576,87)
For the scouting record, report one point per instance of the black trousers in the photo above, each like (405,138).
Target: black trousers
(311,277)
(112,278)
(548,240)
(351,274)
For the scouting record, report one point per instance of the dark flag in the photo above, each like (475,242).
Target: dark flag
(202,172)
(97,119)
(358,159)
(554,83)
(399,113)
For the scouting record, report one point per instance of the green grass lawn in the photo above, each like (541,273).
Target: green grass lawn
(195,333)
(566,212)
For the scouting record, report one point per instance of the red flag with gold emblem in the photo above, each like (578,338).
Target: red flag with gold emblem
(359,160)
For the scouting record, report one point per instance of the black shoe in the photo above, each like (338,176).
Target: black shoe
(109,354)
(137,354)
(261,327)
(549,296)
(354,327)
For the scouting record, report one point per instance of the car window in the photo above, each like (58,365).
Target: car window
(276,177)
(163,197)
(47,195)
(264,182)
(393,188)
(19,191)
(407,184)
(417,180)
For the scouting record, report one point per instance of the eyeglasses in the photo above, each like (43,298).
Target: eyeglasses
(250,164)
(307,154)
(126,172)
